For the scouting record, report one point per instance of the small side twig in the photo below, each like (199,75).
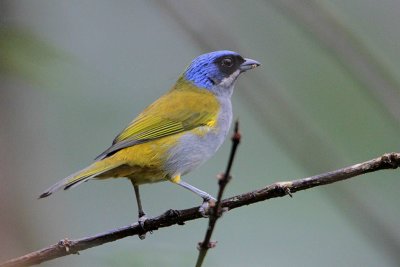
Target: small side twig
(216,211)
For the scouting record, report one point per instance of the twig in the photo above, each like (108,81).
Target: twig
(172,217)
(217,211)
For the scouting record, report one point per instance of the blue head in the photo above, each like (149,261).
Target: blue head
(217,71)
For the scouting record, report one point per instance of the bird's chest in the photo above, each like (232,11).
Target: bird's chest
(198,145)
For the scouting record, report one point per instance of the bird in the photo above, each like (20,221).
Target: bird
(174,135)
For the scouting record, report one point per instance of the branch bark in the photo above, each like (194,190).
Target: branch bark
(172,217)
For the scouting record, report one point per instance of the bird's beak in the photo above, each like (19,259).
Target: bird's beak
(248,64)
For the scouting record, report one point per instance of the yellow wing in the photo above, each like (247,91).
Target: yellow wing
(183,108)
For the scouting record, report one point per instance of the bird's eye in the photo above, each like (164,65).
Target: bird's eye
(227,62)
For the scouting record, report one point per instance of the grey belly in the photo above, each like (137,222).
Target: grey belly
(192,151)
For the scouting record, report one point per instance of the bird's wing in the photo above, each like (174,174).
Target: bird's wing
(177,111)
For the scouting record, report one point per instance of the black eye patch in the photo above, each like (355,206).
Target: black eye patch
(229,64)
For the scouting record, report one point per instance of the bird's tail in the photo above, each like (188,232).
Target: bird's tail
(91,172)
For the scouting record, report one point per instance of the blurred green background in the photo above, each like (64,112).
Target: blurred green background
(74,73)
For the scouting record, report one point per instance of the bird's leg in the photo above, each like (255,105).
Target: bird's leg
(139,202)
(204,195)
(141,214)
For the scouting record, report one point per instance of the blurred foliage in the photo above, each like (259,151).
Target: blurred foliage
(26,56)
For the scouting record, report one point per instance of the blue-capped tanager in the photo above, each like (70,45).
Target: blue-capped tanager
(178,132)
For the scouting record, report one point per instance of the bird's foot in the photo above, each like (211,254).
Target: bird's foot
(142,219)
(208,204)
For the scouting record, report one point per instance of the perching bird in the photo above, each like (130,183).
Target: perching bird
(178,132)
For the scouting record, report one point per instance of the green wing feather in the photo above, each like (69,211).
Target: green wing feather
(177,111)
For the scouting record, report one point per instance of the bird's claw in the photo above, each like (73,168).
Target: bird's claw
(141,221)
(205,207)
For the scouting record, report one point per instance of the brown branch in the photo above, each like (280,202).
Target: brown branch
(172,217)
(217,211)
